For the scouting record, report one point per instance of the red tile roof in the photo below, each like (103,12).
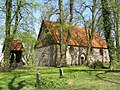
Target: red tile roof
(16,45)
(79,36)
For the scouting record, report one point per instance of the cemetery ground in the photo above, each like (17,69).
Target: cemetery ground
(75,78)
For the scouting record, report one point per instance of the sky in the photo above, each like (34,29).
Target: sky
(0,48)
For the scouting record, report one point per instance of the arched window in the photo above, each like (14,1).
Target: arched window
(82,56)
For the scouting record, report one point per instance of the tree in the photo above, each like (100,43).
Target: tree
(17,18)
(48,9)
(71,10)
(89,25)
(7,32)
(115,14)
(91,33)
(108,30)
(62,45)
(69,28)
(28,41)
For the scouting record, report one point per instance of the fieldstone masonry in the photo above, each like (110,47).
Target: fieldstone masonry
(50,55)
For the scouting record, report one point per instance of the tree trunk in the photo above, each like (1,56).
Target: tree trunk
(7,42)
(9,37)
(116,28)
(69,28)
(16,18)
(62,45)
(107,30)
(91,33)
(71,10)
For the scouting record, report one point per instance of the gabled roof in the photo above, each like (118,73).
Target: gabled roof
(79,36)
(16,45)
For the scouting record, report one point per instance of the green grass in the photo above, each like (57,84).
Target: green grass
(75,78)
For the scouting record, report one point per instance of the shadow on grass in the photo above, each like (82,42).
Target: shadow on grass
(103,79)
(77,70)
(116,71)
(104,71)
(0,88)
(20,84)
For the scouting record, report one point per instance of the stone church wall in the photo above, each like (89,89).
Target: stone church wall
(50,55)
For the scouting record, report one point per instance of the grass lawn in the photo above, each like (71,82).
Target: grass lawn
(75,78)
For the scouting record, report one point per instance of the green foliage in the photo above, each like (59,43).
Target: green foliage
(97,64)
(28,41)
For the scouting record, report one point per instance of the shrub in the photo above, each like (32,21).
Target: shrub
(96,64)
